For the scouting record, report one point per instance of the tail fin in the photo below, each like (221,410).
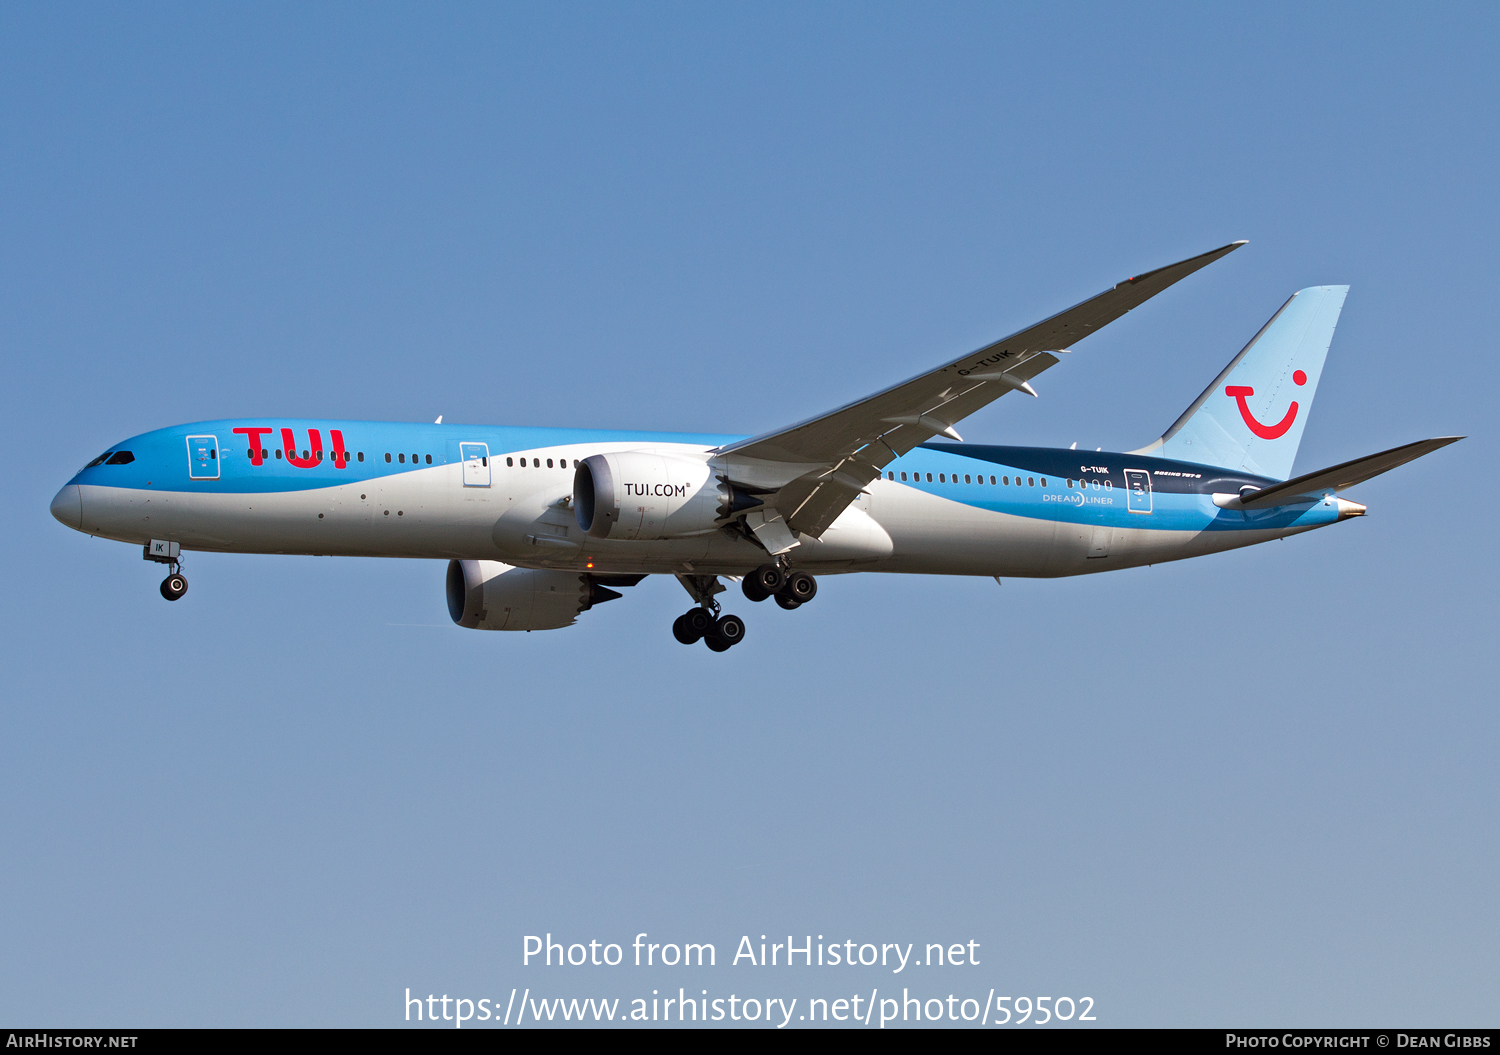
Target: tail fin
(1251,417)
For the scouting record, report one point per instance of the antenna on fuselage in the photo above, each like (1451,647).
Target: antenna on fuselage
(439,421)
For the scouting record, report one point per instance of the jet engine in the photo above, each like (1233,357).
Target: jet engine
(488,595)
(645,496)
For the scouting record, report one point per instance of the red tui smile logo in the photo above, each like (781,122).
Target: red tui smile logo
(1265,432)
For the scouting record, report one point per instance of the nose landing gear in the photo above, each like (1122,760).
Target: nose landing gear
(174,586)
(161,552)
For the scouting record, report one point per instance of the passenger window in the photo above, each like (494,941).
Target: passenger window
(1070,481)
(1044,481)
(120,458)
(966,477)
(903,478)
(1030,481)
(485,462)
(510,462)
(549,463)
(387,457)
(1005,480)
(1108,485)
(942,479)
(213,455)
(429,459)
(929,478)
(992,481)
(402,458)
(361,455)
(278,453)
(536,463)
(562,463)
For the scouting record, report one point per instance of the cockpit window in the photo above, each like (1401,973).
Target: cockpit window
(99,460)
(120,458)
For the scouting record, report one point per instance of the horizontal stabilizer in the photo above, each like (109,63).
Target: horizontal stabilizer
(1327,481)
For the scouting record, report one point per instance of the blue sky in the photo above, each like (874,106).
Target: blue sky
(1254,788)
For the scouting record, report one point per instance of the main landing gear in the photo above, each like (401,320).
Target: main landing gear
(706,622)
(719,634)
(791,590)
(722,632)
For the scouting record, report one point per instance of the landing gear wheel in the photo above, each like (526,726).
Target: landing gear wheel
(787,602)
(800,587)
(727,632)
(173,586)
(765,580)
(692,625)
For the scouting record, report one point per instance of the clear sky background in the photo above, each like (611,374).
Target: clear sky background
(1257,788)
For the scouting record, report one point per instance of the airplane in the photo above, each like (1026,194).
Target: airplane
(538,525)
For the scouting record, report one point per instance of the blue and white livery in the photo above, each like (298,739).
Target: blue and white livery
(539,525)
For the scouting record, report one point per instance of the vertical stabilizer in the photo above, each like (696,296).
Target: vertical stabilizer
(1252,416)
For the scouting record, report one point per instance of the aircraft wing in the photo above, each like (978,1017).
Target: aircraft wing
(1328,481)
(817,467)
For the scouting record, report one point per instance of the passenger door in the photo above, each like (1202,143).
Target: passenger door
(203,457)
(1138,490)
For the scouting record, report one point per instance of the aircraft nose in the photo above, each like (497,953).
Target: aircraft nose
(67,507)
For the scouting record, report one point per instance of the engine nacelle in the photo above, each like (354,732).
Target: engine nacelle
(488,595)
(644,496)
